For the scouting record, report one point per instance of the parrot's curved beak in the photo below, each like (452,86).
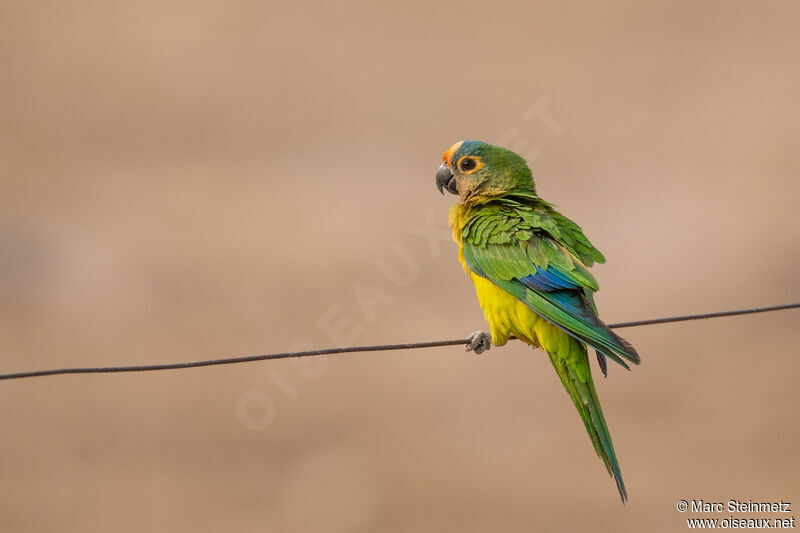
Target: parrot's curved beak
(446,180)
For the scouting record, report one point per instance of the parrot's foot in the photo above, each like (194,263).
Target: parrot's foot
(479,342)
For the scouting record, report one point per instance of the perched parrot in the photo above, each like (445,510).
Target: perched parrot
(529,264)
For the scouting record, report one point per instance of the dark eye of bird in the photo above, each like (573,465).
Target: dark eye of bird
(467,164)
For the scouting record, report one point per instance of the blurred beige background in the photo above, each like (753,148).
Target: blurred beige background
(189,180)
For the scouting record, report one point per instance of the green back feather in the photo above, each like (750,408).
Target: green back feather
(510,239)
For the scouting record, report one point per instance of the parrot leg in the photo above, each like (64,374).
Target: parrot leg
(479,342)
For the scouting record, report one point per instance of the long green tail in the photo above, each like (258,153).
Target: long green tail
(577,379)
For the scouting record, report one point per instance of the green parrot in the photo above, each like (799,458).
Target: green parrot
(530,267)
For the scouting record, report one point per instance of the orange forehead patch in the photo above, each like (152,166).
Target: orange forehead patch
(448,155)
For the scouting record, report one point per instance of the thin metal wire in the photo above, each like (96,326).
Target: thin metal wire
(353,349)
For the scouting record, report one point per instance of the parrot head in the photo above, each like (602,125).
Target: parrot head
(479,172)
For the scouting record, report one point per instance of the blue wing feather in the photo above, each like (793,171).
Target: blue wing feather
(548,280)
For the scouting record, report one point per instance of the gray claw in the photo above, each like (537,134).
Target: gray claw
(479,342)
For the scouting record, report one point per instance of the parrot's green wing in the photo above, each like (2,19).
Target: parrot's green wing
(541,257)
